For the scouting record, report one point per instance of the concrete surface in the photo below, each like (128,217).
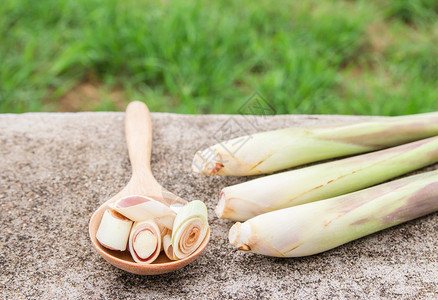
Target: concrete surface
(56,169)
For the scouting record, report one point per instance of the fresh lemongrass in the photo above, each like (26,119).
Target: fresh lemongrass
(140,208)
(246,200)
(113,231)
(189,230)
(167,245)
(145,242)
(270,151)
(319,226)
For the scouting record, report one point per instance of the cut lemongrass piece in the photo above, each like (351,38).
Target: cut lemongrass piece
(113,231)
(319,226)
(140,208)
(246,200)
(270,151)
(145,242)
(189,229)
(167,245)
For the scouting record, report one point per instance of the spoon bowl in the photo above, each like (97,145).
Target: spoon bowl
(138,129)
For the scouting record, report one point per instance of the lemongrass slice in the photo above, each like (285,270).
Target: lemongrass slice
(270,151)
(145,242)
(246,200)
(189,230)
(113,231)
(140,208)
(167,245)
(319,226)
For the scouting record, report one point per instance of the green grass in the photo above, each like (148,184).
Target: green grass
(323,57)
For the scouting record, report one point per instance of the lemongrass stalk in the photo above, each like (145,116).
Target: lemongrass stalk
(246,200)
(145,242)
(189,230)
(316,227)
(113,231)
(141,208)
(270,151)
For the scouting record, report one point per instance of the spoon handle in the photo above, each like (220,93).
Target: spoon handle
(138,130)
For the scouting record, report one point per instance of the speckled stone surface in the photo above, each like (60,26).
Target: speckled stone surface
(56,169)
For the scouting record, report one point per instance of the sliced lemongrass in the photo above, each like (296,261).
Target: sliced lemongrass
(139,208)
(145,242)
(113,231)
(246,200)
(167,245)
(319,226)
(189,229)
(270,151)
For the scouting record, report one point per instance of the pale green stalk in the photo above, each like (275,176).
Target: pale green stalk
(270,151)
(246,200)
(316,227)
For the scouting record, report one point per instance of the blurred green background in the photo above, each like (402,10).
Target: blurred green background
(315,57)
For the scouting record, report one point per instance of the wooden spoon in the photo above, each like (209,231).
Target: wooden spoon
(138,129)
